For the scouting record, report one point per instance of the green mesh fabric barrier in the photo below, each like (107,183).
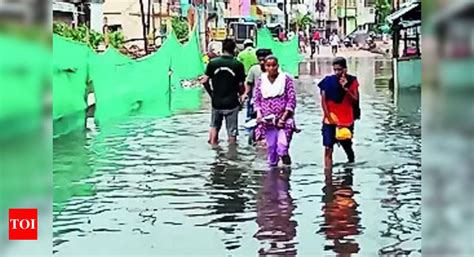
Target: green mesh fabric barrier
(24,75)
(286,52)
(186,64)
(122,86)
(70,74)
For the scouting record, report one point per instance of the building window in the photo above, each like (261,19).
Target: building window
(369,3)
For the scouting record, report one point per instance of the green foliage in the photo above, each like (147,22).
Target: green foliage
(116,39)
(383,8)
(85,35)
(180,27)
(302,21)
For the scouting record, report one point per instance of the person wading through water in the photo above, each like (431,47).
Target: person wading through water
(248,56)
(340,104)
(253,75)
(224,81)
(275,103)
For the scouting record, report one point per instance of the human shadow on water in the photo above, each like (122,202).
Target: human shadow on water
(226,178)
(229,192)
(274,214)
(341,217)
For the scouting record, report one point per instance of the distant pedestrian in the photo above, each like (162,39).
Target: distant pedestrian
(275,102)
(211,53)
(302,41)
(315,42)
(227,76)
(340,103)
(334,41)
(248,56)
(255,73)
(282,36)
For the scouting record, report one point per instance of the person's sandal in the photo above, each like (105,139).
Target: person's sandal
(286,160)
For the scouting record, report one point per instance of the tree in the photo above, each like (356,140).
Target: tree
(85,35)
(180,28)
(302,21)
(383,8)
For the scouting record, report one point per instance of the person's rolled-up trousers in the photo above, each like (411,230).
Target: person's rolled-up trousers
(277,144)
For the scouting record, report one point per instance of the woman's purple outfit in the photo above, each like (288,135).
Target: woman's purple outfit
(278,139)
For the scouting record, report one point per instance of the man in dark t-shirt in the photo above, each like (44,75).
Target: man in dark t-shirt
(223,81)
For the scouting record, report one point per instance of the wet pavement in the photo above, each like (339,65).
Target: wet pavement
(153,187)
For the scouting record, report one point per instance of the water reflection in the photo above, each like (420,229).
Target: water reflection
(227,178)
(277,228)
(341,217)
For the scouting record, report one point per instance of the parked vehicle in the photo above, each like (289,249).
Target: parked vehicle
(275,29)
(241,31)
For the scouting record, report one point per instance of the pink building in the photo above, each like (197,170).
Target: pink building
(234,7)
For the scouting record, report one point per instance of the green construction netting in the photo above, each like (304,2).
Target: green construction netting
(24,74)
(286,52)
(70,74)
(186,64)
(123,86)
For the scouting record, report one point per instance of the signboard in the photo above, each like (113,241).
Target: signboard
(219,34)
(64,7)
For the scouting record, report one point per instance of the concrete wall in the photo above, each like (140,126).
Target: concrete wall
(127,14)
(96,19)
(234,6)
(409,73)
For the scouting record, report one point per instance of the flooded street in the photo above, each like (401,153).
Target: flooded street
(154,187)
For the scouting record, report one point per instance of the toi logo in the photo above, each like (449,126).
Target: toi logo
(23,224)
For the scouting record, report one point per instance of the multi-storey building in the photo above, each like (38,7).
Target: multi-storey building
(365,14)
(346,11)
(126,15)
(271,10)
(79,12)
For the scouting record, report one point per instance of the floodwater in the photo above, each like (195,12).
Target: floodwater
(153,187)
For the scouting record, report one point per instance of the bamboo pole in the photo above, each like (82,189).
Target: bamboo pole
(145,38)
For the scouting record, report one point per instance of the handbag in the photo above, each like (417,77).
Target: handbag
(343,133)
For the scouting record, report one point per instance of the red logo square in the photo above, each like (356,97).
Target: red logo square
(23,224)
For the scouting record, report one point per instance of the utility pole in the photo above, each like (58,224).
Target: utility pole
(159,16)
(145,38)
(216,13)
(345,17)
(395,33)
(328,25)
(153,24)
(285,11)
(148,16)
